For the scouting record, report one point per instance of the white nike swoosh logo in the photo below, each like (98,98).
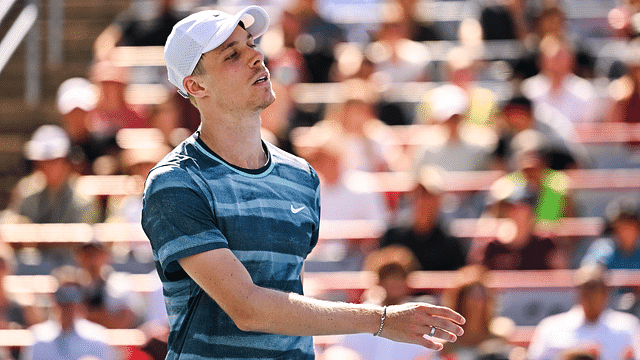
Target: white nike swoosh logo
(295,211)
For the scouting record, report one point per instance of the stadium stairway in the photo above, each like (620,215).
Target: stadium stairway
(84,20)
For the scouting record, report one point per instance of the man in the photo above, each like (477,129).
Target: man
(69,336)
(427,235)
(108,298)
(590,325)
(231,218)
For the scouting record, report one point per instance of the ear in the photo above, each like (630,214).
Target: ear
(194,86)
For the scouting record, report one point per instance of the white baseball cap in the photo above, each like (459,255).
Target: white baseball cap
(76,93)
(448,100)
(202,32)
(47,143)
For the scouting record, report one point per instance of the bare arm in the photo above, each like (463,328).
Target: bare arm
(254,308)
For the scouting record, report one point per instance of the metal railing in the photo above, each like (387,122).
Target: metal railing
(24,28)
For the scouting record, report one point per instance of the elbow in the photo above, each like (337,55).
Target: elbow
(248,315)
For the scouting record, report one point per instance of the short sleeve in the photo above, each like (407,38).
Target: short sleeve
(177,218)
(316,233)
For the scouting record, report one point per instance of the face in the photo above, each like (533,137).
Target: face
(626,234)
(236,80)
(56,171)
(593,298)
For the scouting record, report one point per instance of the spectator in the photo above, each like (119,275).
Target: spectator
(472,296)
(323,146)
(621,19)
(112,111)
(137,163)
(107,296)
(426,235)
(13,315)
(145,23)
(504,20)
(317,40)
(419,29)
(547,187)
(589,325)
(519,248)
(621,248)
(52,197)
(68,335)
(517,118)
(357,118)
(454,145)
(395,56)
(460,70)
(75,98)
(625,91)
(392,265)
(558,95)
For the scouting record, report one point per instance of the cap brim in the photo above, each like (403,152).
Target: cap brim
(256,28)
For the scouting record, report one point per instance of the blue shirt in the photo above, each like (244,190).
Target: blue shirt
(194,202)
(605,252)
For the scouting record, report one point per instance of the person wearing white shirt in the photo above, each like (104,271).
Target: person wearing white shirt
(590,325)
(560,97)
(68,337)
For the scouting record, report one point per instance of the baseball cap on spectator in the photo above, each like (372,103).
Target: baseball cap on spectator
(75,93)
(108,71)
(202,32)
(448,100)
(68,294)
(48,142)
(590,273)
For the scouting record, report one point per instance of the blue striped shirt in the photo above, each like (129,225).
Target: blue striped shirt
(194,202)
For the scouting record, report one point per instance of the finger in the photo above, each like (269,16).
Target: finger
(445,324)
(441,323)
(429,344)
(439,333)
(445,312)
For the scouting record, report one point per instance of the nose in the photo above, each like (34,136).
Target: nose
(256,57)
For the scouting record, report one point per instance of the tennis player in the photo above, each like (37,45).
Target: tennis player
(231,218)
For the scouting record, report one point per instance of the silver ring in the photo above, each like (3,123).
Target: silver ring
(433,331)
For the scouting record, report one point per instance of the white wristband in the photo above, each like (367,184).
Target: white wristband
(384,316)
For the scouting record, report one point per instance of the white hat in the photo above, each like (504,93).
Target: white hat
(448,100)
(47,143)
(75,93)
(202,32)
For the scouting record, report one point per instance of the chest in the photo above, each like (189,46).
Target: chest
(271,215)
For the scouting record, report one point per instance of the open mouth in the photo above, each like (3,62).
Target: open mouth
(261,79)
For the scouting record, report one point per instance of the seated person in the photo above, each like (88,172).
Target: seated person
(621,248)
(518,248)
(52,197)
(590,325)
(475,299)
(426,235)
(107,296)
(68,335)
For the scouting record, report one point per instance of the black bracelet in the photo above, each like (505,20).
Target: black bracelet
(384,316)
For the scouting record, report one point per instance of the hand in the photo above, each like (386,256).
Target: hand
(412,322)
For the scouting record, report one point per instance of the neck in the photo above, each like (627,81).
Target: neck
(236,140)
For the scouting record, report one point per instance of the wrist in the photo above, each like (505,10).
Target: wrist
(383,317)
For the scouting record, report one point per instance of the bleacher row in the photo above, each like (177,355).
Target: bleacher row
(506,283)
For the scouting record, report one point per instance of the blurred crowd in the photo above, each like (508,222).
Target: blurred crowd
(387,100)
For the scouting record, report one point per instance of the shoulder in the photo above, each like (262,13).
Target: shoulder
(621,321)
(91,331)
(292,166)
(45,331)
(176,169)
(580,87)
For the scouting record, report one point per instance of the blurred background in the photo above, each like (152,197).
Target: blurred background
(473,153)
